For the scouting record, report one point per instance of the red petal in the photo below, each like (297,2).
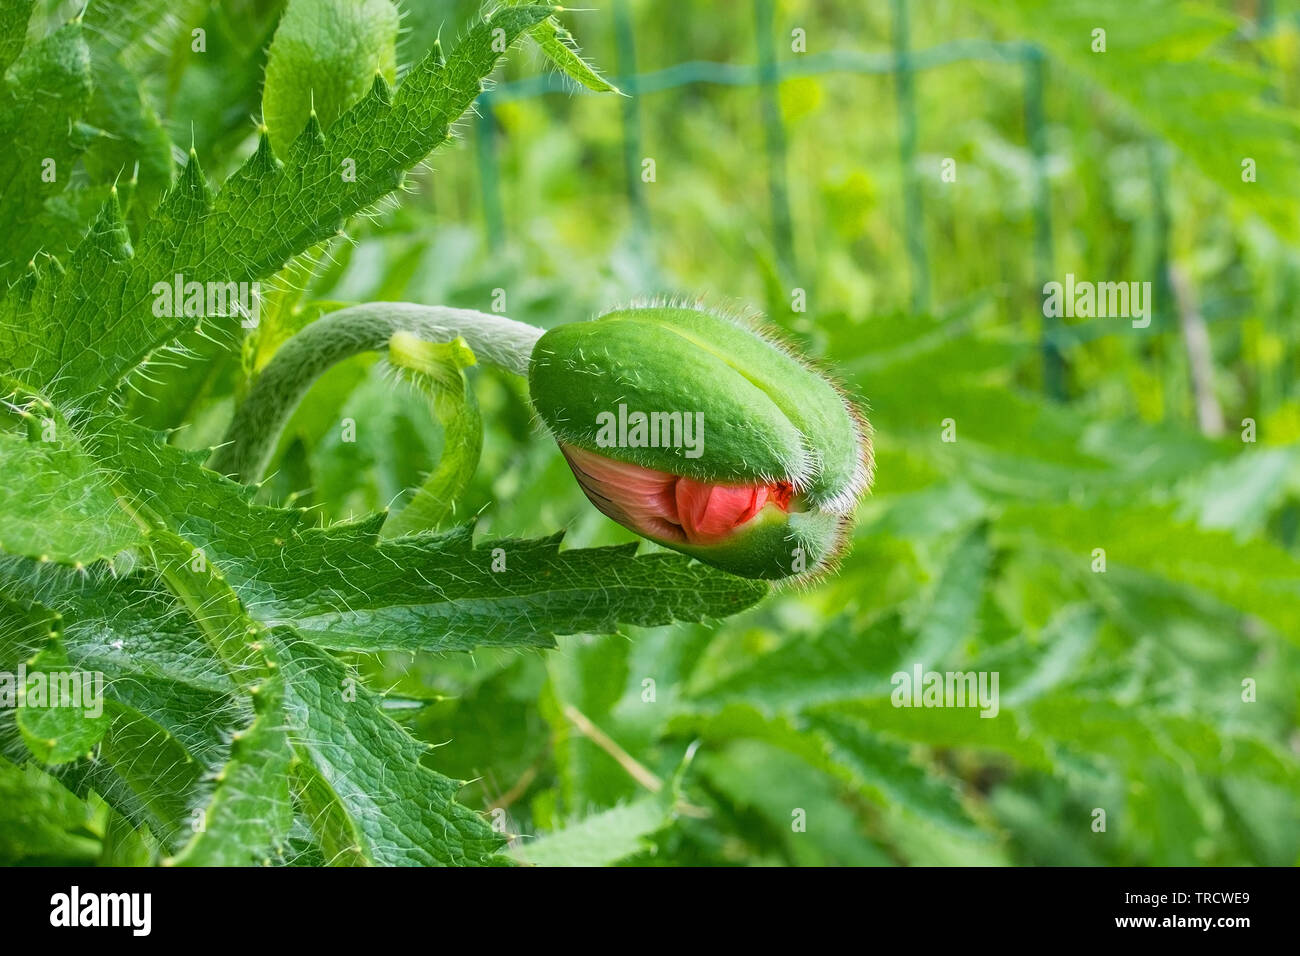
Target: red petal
(708,512)
(661,505)
(636,497)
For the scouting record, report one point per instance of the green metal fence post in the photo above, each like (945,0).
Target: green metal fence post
(1161,290)
(774,134)
(485,148)
(625,47)
(906,99)
(1036,133)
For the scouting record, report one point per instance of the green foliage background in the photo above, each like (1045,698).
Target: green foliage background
(698,743)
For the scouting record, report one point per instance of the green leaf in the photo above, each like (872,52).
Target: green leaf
(438,371)
(600,839)
(41,822)
(911,801)
(198,719)
(440,593)
(124,25)
(25,626)
(367,771)
(80,332)
(1007,733)
(13,30)
(168,735)
(134,146)
(847,661)
(62,717)
(323,58)
(135,631)
(779,790)
(345,589)
(57,505)
(1239,494)
(894,780)
(1068,637)
(41,106)
(125,844)
(561,48)
(741,721)
(248,818)
(1257,577)
(584,685)
(128,625)
(147,774)
(948,613)
(159,741)
(1193,746)
(331,830)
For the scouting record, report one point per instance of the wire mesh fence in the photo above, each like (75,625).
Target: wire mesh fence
(905,64)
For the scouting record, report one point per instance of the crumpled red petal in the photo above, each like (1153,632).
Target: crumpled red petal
(661,505)
(708,512)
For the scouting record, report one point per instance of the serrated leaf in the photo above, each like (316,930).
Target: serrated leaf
(57,505)
(874,768)
(134,628)
(1068,637)
(93,324)
(560,48)
(368,770)
(62,714)
(147,774)
(173,706)
(345,589)
(455,601)
(887,772)
(198,719)
(741,721)
(1134,735)
(331,832)
(133,147)
(126,624)
(247,820)
(123,25)
(125,844)
(24,628)
(600,839)
(848,660)
(947,615)
(780,790)
(164,734)
(1008,732)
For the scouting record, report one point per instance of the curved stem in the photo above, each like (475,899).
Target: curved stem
(252,436)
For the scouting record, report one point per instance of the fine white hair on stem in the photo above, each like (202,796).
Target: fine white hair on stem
(252,436)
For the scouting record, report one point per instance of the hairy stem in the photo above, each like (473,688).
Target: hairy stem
(252,436)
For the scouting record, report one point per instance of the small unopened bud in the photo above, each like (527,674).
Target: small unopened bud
(698,432)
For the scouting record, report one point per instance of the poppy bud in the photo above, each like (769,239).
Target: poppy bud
(698,432)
